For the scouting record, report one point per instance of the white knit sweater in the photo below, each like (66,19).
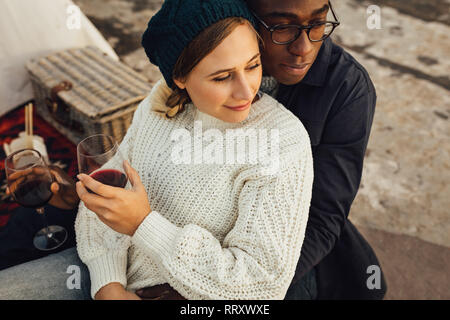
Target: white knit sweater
(216,231)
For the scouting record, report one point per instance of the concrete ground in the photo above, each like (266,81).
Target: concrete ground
(402,207)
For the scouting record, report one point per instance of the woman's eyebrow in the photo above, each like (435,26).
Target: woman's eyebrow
(232,69)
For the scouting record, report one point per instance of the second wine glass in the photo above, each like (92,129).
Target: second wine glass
(29,180)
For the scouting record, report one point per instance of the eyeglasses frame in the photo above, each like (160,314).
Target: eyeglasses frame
(306,28)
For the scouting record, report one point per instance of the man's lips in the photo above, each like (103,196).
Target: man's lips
(295,69)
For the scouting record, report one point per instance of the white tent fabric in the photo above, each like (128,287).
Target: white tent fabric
(34,28)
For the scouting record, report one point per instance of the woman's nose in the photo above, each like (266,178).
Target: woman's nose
(243,91)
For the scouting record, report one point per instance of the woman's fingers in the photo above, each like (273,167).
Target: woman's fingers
(83,194)
(97,187)
(92,202)
(133,175)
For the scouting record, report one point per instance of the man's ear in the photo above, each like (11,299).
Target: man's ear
(180,84)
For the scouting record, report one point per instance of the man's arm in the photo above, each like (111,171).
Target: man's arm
(338,163)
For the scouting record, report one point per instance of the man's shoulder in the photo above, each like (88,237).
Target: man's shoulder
(275,116)
(345,88)
(347,75)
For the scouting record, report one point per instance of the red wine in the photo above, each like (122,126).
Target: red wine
(110,177)
(33,193)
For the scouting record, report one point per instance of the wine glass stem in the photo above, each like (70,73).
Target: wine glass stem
(41,211)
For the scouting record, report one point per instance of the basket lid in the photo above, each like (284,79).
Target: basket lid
(100,85)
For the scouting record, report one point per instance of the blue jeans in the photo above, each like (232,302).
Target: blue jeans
(59,276)
(63,276)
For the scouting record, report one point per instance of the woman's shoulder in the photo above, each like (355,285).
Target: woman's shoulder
(153,106)
(272,115)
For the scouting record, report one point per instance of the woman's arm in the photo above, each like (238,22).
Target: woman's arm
(102,249)
(257,259)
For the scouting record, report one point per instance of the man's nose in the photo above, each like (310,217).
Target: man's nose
(302,46)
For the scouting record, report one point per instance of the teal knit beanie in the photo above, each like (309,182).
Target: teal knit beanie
(178,22)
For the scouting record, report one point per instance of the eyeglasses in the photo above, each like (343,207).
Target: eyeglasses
(288,33)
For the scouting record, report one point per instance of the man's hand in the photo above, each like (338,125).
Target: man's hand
(63,188)
(159,292)
(122,210)
(115,291)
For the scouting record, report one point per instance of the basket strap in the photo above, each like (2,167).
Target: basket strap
(52,101)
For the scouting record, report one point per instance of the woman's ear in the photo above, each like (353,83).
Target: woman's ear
(180,84)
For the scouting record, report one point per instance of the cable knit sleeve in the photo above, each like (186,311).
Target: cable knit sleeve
(258,257)
(102,249)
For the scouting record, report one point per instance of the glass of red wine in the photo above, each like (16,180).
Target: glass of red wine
(99,157)
(29,180)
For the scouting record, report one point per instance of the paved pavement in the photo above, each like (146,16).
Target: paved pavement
(402,207)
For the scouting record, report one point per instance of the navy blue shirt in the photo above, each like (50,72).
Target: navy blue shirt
(336,104)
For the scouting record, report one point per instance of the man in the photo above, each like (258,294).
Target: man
(335,99)
(333,96)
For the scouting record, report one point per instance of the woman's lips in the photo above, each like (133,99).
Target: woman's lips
(239,108)
(296,70)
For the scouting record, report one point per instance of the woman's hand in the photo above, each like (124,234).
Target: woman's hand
(122,210)
(115,291)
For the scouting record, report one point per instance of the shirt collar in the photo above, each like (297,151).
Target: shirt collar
(317,73)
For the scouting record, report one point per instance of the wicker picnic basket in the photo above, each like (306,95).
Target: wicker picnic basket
(82,92)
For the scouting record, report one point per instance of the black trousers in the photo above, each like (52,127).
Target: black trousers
(16,237)
(303,289)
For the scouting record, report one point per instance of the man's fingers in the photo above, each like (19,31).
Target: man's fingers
(54,187)
(97,187)
(19,174)
(57,176)
(14,184)
(41,171)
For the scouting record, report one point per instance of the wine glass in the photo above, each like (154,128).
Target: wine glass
(99,157)
(29,180)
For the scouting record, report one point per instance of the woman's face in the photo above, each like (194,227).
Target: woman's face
(227,80)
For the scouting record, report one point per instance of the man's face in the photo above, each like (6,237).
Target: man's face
(289,63)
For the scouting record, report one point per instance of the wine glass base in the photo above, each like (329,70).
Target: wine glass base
(56,236)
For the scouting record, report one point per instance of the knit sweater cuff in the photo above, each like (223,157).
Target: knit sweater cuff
(108,268)
(156,236)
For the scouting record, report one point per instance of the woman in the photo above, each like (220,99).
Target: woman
(211,230)
(208,220)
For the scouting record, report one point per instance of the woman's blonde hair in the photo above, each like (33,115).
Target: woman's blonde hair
(200,47)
